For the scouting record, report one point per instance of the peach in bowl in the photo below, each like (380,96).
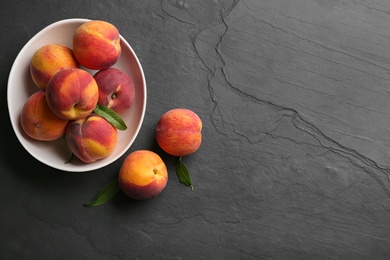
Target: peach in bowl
(21,86)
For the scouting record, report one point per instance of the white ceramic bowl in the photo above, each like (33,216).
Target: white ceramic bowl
(21,87)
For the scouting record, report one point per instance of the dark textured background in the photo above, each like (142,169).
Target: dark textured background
(294,164)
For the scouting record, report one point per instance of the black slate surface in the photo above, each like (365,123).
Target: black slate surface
(294,98)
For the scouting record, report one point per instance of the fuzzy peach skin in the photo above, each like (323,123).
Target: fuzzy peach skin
(72,93)
(143,175)
(178,132)
(38,121)
(91,138)
(48,60)
(96,44)
(116,89)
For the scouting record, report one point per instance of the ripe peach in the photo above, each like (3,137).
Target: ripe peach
(116,89)
(38,121)
(48,60)
(96,45)
(91,138)
(178,132)
(72,93)
(143,175)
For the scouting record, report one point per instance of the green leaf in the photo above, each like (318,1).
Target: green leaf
(71,155)
(70,159)
(111,116)
(183,174)
(107,193)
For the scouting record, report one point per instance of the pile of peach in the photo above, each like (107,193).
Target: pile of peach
(67,94)
(68,101)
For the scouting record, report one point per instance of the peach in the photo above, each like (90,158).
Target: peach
(48,60)
(116,89)
(178,132)
(91,138)
(72,93)
(96,44)
(143,175)
(38,121)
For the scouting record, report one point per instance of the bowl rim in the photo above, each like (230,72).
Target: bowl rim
(88,166)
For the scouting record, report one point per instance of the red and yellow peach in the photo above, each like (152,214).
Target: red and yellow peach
(143,175)
(96,45)
(72,93)
(178,132)
(38,121)
(48,60)
(91,138)
(116,89)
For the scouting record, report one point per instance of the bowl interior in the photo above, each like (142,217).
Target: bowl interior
(21,87)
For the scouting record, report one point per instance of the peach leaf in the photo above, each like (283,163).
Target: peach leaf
(111,116)
(183,174)
(105,194)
